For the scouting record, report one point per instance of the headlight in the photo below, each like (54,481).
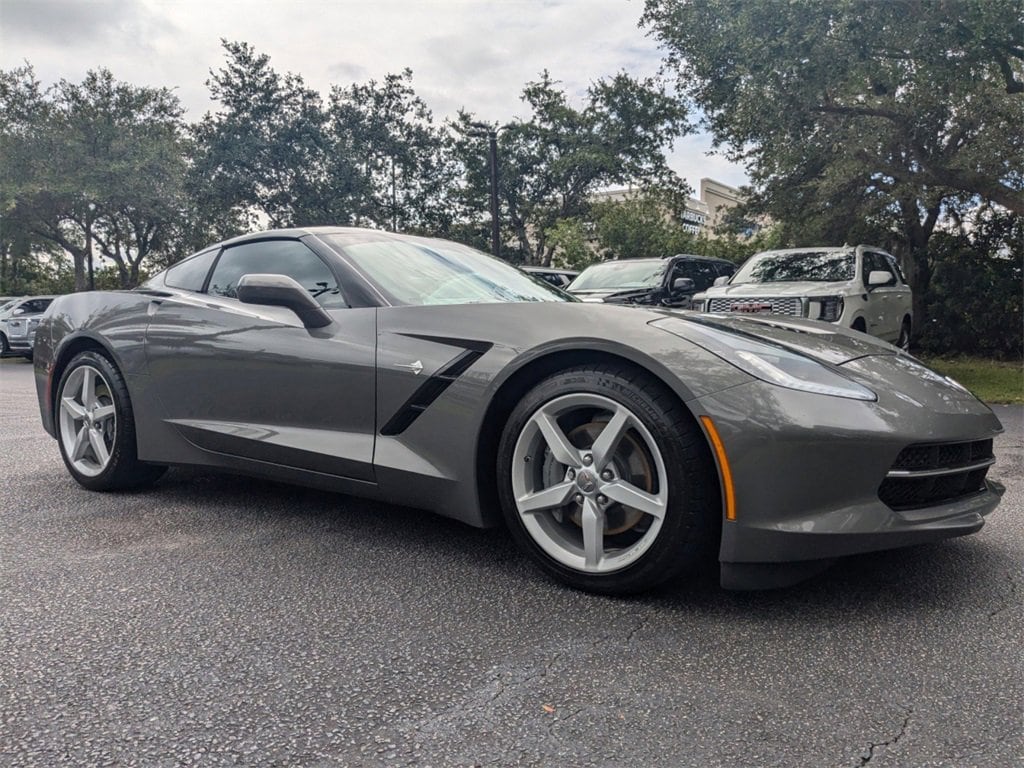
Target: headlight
(697,305)
(830,308)
(767,362)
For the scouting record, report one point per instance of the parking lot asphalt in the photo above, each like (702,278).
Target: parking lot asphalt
(215,620)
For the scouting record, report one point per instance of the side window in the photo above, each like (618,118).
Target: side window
(876,262)
(276,257)
(35,306)
(190,274)
(896,268)
(702,273)
(726,269)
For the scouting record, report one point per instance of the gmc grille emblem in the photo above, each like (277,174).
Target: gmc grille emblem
(750,306)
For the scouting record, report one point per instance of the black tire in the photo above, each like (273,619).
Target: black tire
(859,325)
(690,528)
(4,346)
(123,470)
(903,342)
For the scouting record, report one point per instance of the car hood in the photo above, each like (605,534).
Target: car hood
(752,290)
(822,341)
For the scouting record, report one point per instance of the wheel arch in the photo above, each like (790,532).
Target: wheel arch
(69,348)
(523,378)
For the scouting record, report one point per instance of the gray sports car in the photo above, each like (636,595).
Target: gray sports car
(617,444)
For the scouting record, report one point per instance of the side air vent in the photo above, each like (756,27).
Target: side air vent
(430,390)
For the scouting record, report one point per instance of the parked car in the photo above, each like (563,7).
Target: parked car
(670,281)
(18,324)
(560,278)
(617,444)
(860,287)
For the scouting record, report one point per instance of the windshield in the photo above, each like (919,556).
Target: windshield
(793,266)
(428,272)
(5,307)
(620,275)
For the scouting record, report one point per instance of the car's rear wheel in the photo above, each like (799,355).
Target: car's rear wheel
(606,481)
(96,427)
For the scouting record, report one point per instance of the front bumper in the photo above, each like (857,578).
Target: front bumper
(807,469)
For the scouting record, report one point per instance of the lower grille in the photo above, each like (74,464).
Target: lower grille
(928,474)
(775,305)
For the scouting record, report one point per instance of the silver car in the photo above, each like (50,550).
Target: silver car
(18,322)
(617,444)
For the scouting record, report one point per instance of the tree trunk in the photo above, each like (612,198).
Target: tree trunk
(916,263)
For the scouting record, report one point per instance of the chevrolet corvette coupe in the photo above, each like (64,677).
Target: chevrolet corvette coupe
(617,444)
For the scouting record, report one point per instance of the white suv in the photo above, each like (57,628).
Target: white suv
(861,288)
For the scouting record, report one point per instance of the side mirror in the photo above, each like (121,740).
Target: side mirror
(283,291)
(19,311)
(721,280)
(879,277)
(683,284)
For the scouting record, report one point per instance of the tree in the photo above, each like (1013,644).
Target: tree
(404,167)
(859,116)
(573,248)
(551,164)
(95,165)
(640,226)
(262,158)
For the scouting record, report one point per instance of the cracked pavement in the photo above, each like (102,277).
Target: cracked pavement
(216,620)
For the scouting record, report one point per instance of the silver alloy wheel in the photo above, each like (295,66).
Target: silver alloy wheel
(88,420)
(580,461)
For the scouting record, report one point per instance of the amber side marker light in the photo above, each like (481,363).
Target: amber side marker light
(723,465)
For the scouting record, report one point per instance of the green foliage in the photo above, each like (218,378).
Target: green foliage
(859,121)
(552,163)
(639,226)
(738,249)
(262,156)
(91,168)
(572,247)
(403,169)
(989,380)
(974,306)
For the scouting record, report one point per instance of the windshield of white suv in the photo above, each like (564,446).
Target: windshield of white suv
(620,275)
(794,266)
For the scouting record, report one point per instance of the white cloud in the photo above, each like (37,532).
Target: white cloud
(463,53)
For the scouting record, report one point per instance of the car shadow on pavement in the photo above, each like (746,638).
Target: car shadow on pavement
(969,573)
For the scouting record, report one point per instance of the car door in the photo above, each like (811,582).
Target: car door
(251,380)
(883,310)
(903,295)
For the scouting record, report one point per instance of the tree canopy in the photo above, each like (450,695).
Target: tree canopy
(859,119)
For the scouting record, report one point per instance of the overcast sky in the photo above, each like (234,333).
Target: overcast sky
(463,53)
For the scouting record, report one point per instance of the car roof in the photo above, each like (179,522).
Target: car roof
(321,230)
(663,259)
(551,270)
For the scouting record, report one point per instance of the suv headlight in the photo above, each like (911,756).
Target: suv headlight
(830,308)
(776,365)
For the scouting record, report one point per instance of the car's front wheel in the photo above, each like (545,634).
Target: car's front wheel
(606,481)
(96,427)
(4,346)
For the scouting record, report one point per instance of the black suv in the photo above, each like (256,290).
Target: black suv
(671,281)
